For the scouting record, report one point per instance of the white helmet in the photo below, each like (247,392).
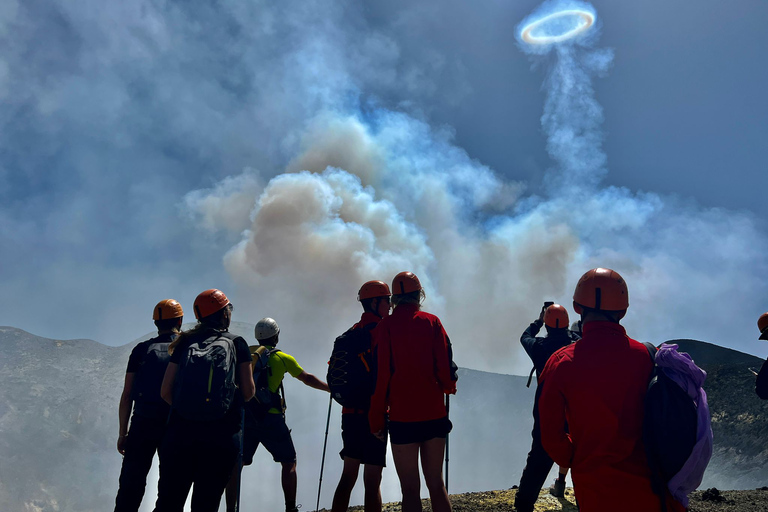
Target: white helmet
(266,328)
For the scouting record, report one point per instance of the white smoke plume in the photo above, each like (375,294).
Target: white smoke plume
(369,194)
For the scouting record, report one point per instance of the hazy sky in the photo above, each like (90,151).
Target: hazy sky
(140,142)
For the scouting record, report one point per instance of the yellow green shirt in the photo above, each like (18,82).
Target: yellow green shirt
(281,363)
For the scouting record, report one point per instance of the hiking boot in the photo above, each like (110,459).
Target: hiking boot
(558,490)
(294,509)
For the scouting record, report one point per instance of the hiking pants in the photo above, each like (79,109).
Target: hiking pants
(143,440)
(537,466)
(194,458)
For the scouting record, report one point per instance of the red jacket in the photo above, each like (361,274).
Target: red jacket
(365,319)
(597,386)
(414,370)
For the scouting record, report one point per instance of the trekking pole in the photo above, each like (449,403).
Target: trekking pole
(448,415)
(325,444)
(240,459)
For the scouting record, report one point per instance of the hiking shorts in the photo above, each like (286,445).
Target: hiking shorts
(273,433)
(407,432)
(359,443)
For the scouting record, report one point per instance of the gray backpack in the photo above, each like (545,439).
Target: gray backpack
(205,384)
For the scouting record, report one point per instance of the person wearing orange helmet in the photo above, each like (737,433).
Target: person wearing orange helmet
(761,383)
(207,381)
(415,373)
(360,446)
(597,387)
(554,318)
(141,393)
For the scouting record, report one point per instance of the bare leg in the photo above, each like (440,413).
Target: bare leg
(432,453)
(407,465)
(288,479)
(346,484)
(372,480)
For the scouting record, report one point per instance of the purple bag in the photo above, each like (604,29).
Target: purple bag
(679,368)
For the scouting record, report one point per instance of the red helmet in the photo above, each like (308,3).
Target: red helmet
(209,302)
(602,289)
(762,324)
(167,309)
(373,289)
(556,317)
(405,282)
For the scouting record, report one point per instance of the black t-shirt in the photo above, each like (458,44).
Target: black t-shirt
(230,423)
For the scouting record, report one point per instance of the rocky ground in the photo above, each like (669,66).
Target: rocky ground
(710,500)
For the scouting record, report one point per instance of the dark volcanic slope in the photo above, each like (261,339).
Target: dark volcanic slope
(707,354)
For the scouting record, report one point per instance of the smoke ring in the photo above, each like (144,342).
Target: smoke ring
(586,16)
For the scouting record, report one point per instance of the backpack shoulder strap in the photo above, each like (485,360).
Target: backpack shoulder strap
(651,350)
(530,377)
(228,335)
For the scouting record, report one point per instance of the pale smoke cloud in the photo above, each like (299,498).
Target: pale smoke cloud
(228,205)
(331,141)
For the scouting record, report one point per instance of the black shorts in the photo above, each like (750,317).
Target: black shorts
(273,433)
(359,443)
(407,432)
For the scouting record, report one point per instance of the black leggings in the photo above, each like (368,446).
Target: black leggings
(195,455)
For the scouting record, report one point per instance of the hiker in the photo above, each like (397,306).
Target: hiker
(414,373)
(360,445)
(265,422)
(598,387)
(761,383)
(141,392)
(208,364)
(555,319)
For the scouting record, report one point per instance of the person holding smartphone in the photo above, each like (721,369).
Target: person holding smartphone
(538,465)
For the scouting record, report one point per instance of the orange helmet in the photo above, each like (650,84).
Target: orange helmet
(373,289)
(209,302)
(602,289)
(556,317)
(405,282)
(762,324)
(167,309)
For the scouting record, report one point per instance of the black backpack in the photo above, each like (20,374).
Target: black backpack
(205,383)
(264,399)
(146,386)
(669,427)
(149,378)
(352,368)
